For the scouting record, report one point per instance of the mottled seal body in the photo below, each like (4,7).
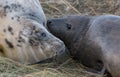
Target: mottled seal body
(94,41)
(23,36)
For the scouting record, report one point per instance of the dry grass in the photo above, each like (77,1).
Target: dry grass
(53,9)
(9,68)
(58,8)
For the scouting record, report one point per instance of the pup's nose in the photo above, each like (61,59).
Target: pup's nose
(49,22)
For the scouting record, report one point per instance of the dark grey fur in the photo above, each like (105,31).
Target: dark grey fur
(93,41)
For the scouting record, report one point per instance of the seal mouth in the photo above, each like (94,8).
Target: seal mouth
(48,60)
(52,59)
(61,50)
(58,58)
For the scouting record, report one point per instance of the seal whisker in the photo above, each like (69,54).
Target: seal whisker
(24,52)
(20,54)
(41,52)
(33,53)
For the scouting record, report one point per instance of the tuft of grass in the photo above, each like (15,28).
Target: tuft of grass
(10,68)
(70,68)
(59,8)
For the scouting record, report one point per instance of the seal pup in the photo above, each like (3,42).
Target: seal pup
(92,40)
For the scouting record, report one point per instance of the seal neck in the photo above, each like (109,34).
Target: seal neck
(80,34)
(82,28)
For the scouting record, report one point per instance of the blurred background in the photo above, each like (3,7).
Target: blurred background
(58,8)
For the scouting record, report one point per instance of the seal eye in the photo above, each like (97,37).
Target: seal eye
(69,26)
(43,34)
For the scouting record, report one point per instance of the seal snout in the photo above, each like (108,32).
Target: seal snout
(61,54)
(49,22)
(60,46)
(53,26)
(53,23)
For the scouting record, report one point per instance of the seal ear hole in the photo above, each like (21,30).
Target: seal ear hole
(69,26)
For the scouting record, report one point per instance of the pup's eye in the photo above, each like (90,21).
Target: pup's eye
(43,34)
(69,26)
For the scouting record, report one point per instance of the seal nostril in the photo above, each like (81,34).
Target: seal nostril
(49,22)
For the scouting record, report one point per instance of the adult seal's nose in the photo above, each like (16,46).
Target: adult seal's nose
(62,54)
(61,47)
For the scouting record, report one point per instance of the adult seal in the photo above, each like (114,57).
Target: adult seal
(23,34)
(92,40)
